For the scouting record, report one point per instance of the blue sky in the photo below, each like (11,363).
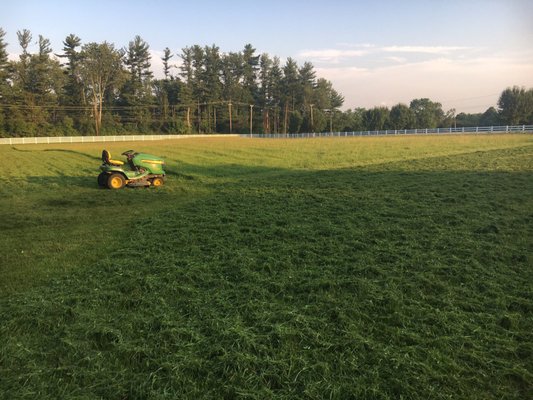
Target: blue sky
(460,53)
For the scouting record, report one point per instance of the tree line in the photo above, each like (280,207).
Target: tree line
(97,88)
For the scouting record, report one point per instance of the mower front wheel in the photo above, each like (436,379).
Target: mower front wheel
(157,182)
(115,181)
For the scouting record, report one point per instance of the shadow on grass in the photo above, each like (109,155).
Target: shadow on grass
(74,152)
(65,181)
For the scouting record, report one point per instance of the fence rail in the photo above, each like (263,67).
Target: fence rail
(96,139)
(393,132)
(388,132)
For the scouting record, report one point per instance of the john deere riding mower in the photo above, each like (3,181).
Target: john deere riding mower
(140,169)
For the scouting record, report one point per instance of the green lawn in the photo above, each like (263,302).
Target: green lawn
(364,268)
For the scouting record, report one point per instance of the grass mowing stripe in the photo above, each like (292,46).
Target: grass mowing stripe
(407,279)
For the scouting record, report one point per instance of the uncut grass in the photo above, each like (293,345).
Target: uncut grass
(404,279)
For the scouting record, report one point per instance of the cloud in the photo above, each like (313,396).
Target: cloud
(423,49)
(156,62)
(331,55)
(400,60)
(13,56)
(366,51)
(470,85)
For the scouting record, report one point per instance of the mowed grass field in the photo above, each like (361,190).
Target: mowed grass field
(360,268)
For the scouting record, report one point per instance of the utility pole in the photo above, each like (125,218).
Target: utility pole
(230,123)
(199,117)
(330,120)
(251,116)
(312,124)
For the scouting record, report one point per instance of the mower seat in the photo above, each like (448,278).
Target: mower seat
(106,158)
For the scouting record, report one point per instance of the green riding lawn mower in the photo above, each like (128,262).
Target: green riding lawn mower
(140,169)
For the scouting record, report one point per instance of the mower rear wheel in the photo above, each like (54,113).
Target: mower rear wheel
(157,182)
(115,181)
(102,179)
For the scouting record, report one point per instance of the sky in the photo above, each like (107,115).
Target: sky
(460,53)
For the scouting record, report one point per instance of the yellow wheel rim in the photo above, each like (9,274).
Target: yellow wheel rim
(116,182)
(157,182)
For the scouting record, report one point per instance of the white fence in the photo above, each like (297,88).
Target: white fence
(393,132)
(96,139)
(134,138)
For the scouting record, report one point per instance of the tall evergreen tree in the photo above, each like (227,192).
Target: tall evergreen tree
(211,74)
(212,71)
(4,75)
(44,75)
(4,67)
(307,77)
(137,91)
(291,85)
(250,68)
(265,90)
(276,90)
(187,74)
(24,38)
(167,55)
(137,61)
(73,93)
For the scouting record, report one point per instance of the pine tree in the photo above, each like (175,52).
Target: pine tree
(4,76)
(136,93)
(212,68)
(250,68)
(291,85)
(187,73)
(138,63)
(3,57)
(276,89)
(4,68)
(167,55)
(307,77)
(265,90)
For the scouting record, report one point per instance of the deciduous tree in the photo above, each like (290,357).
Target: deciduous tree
(100,69)
(516,105)
(401,117)
(427,114)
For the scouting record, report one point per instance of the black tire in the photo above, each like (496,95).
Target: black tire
(102,180)
(115,181)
